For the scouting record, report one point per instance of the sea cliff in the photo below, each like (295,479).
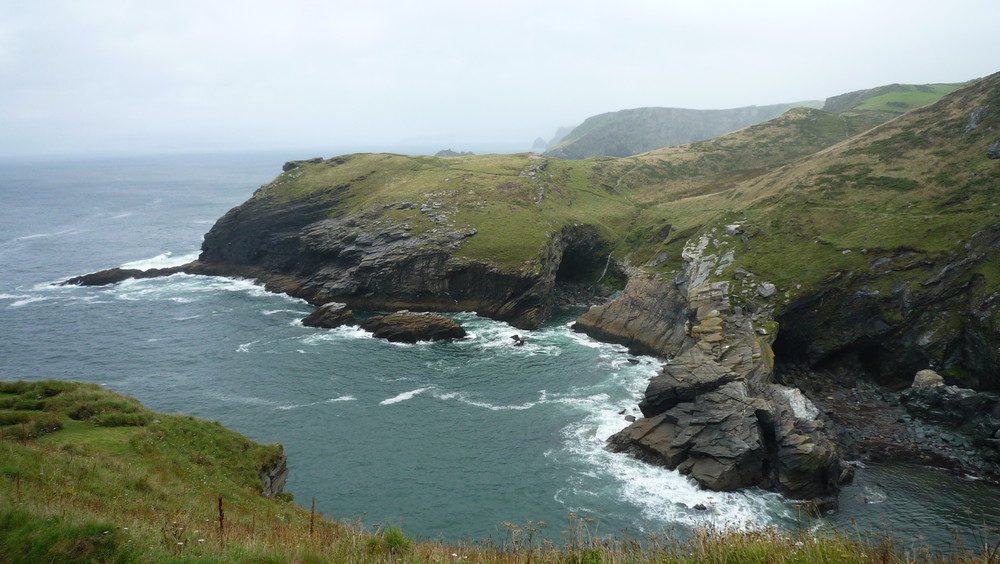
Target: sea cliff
(762,266)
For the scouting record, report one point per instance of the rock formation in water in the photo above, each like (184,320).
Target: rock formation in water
(715,413)
(410,327)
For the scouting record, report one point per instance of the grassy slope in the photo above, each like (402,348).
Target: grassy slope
(515,202)
(875,190)
(87,475)
(908,97)
(917,183)
(628,132)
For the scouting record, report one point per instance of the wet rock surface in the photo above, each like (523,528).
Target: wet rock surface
(330,316)
(715,413)
(410,327)
(874,425)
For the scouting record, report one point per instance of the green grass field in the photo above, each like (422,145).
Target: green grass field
(911,98)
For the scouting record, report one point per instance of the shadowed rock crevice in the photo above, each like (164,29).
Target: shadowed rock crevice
(936,313)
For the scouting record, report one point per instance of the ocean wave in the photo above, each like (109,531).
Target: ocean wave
(310,404)
(163,260)
(245,347)
(25,300)
(46,235)
(342,333)
(403,396)
(660,495)
(464,398)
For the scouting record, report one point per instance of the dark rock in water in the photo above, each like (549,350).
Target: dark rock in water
(700,507)
(650,317)
(104,277)
(329,316)
(714,412)
(409,327)
(116,275)
(716,438)
(630,418)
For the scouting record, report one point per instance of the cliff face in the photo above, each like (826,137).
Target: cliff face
(370,261)
(937,313)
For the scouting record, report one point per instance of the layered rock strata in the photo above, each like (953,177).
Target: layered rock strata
(715,412)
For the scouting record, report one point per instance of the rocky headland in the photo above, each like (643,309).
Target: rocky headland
(792,298)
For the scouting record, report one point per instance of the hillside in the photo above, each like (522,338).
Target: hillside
(629,132)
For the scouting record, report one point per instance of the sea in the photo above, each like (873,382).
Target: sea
(451,440)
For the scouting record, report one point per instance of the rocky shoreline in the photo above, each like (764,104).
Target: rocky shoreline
(874,424)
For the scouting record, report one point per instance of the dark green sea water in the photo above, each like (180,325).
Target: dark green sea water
(446,440)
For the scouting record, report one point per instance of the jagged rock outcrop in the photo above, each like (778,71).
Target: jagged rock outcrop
(367,261)
(330,316)
(410,327)
(274,476)
(715,413)
(650,317)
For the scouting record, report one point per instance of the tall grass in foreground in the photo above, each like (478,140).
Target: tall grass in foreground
(87,475)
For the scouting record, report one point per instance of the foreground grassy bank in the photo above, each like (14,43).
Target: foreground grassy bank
(87,475)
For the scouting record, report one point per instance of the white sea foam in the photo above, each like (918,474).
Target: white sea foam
(275,311)
(403,396)
(245,347)
(464,398)
(44,235)
(164,260)
(343,333)
(331,400)
(662,496)
(28,300)
(245,400)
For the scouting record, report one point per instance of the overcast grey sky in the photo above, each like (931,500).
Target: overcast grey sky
(111,76)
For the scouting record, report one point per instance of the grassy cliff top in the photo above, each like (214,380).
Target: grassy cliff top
(811,188)
(514,202)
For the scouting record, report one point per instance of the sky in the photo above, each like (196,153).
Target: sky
(134,76)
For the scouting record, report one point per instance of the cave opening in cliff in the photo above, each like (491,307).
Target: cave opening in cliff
(584,261)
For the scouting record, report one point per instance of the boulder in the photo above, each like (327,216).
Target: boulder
(927,379)
(994,151)
(410,327)
(329,316)
(963,408)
